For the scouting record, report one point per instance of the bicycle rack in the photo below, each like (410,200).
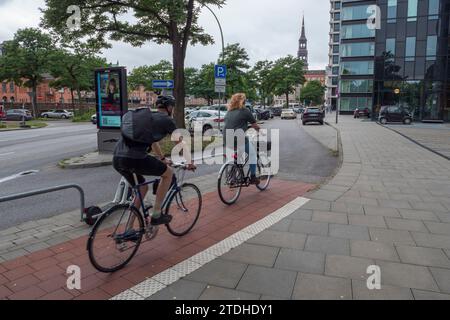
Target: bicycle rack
(49,190)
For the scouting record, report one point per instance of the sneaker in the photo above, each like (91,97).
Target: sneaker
(254,180)
(164,219)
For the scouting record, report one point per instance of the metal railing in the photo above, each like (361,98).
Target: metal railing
(49,190)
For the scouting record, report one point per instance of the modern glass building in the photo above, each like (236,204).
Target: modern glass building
(405,62)
(332,82)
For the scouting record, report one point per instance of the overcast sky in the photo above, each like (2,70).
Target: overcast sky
(268,29)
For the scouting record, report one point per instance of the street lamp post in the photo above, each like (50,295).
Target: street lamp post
(223,54)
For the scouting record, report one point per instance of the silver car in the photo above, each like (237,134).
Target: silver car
(58,114)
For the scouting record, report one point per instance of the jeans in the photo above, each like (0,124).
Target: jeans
(253,159)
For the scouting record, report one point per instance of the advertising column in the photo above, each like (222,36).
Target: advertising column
(112,104)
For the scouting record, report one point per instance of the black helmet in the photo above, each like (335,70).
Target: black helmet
(165,102)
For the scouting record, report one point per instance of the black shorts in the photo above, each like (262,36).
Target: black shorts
(148,166)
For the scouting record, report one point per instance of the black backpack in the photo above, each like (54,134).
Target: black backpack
(137,126)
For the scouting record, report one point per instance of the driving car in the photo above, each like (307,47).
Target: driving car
(262,114)
(94,119)
(276,111)
(18,115)
(206,120)
(57,114)
(361,113)
(288,114)
(394,114)
(313,114)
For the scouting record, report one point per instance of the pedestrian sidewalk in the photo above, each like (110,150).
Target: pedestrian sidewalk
(388,206)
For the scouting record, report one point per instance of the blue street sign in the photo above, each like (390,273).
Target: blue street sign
(163,84)
(220,71)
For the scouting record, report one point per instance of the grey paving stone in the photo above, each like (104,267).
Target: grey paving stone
(359,201)
(375,195)
(328,245)
(347,267)
(282,226)
(442,277)
(11,255)
(302,214)
(268,281)
(253,254)
(36,247)
(223,294)
(438,228)
(402,196)
(403,224)
(57,240)
(418,215)
(361,292)
(367,221)
(266,297)
(348,208)
(280,239)
(373,250)
(317,287)
(349,232)
(397,204)
(333,187)
(423,256)
(429,295)
(326,195)
(443,216)
(302,261)
(397,237)
(219,272)
(318,205)
(406,276)
(431,206)
(180,290)
(309,227)
(431,240)
(381,211)
(9,231)
(330,217)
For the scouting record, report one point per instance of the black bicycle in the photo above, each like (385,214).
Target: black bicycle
(117,235)
(233,178)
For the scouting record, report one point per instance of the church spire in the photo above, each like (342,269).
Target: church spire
(303,45)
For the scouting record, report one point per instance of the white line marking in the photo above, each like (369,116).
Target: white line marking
(6,154)
(18,175)
(151,286)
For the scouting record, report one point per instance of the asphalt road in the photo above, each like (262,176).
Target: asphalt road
(301,158)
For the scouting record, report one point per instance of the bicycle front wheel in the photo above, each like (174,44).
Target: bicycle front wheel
(115,239)
(185,207)
(230,184)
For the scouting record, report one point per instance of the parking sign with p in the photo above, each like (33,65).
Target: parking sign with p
(220,72)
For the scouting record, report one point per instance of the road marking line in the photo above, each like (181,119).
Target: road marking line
(151,286)
(6,154)
(18,175)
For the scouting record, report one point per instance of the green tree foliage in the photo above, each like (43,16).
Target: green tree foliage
(260,74)
(162,21)
(236,59)
(26,59)
(287,73)
(203,83)
(144,75)
(313,93)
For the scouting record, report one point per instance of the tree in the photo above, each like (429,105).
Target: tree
(74,70)
(190,74)
(313,93)
(261,75)
(203,83)
(162,21)
(26,59)
(236,59)
(287,73)
(144,75)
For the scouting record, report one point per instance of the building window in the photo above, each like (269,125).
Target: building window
(433,9)
(356,86)
(337,5)
(410,52)
(431,47)
(355,13)
(337,27)
(357,67)
(390,45)
(334,81)
(392,11)
(335,71)
(335,49)
(11,87)
(353,103)
(4,87)
(335,59)
(355,31)
(360,49)
(412,10)
(337,16)
(336,38)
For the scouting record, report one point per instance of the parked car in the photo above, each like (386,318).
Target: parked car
(288,114)
(205,119)
(94,119)
(361,113)
(277,111)
(313,115)
(262,114)
(394,114)
(18,115)
(57,114)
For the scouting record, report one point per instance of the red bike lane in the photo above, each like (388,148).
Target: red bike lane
(42,274)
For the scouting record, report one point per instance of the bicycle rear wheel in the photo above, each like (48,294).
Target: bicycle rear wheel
(265,173)
(230,184)
(185,207)
(115,239)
